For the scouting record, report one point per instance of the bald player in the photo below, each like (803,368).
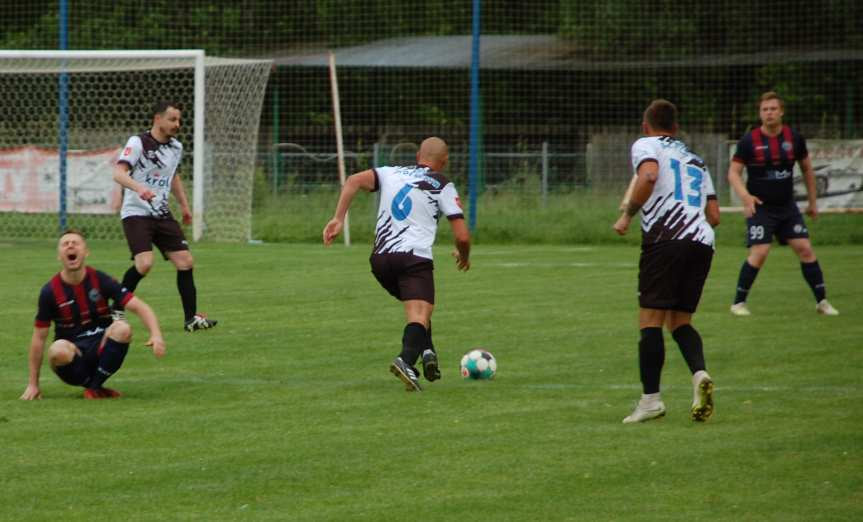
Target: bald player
(412,198)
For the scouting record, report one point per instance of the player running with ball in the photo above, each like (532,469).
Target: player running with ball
(412,199)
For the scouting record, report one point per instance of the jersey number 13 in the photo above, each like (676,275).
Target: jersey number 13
(692,183)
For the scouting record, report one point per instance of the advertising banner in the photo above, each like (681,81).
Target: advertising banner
(30,181)
(838,166)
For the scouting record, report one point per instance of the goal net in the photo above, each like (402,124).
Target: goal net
(66,115)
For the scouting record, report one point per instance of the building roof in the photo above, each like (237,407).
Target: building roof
(521,52)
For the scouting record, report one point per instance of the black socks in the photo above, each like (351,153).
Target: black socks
(130,282)
(185,285)
(691,348)
(744,281)
(414,341)
(651,353)
(188,294)
(813,276)
(811,273)
(651,357)
(110,361)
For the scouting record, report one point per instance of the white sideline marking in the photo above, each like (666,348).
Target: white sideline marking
(492,252)
(731,389)
(574,264)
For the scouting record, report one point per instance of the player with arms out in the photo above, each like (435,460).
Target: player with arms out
(769,152)
(678,205)
(147,170)
(88,348)
(412,199)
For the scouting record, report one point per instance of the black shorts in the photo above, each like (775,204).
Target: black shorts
(784,221)
(83,367)
(143,232)
(404,275)
(671,275)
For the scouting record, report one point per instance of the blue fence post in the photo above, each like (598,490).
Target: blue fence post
(475,115)
(63,108)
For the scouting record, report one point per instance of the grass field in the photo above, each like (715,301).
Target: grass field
(287,411)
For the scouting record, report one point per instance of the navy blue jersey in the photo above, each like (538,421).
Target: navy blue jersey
(78,309)
(770,162)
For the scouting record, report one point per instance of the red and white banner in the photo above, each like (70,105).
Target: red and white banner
(30,181)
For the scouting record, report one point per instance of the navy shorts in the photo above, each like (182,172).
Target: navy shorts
(404,275)
(83,367)
(671,274)
(783,221)
(143,232)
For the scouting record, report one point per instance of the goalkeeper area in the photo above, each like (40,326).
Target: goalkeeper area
(288,412)
(66,115)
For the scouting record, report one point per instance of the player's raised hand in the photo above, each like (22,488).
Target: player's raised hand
(749,203)
(31,393)
(158,346)
(622,224)
(460,263)
(332,230)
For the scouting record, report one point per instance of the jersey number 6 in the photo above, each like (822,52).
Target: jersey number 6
(402,204)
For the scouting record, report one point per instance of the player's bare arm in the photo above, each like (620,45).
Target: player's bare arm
(37,345)
(364,180)
(647,174)
(711,212)
(180,193)
(121,176)
(628,194)
(811,192)
(735,179)
(148,317)
(461,235)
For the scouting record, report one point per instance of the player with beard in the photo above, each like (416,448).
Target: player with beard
(147,170)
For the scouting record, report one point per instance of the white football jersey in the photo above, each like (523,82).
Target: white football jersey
(675,210)
(153,164)
(411,201)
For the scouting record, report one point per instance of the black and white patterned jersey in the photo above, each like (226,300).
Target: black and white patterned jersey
(675,209)
(411,201)
(153,164)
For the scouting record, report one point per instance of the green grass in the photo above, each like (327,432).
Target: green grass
(287,411)
(580,216)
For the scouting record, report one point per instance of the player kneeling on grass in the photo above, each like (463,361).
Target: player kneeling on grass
(678,205)
(412,200)
(88,348)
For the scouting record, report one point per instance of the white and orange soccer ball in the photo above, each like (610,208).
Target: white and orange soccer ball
(478,364)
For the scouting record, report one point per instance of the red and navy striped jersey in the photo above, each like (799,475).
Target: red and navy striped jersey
(82,308)
(770,162)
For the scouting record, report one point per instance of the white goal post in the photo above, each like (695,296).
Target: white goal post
(66,112)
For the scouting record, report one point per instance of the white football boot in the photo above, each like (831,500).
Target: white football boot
(647,408)
(825,308)
(740,310)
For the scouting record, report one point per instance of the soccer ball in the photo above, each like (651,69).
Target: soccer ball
(478,364)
